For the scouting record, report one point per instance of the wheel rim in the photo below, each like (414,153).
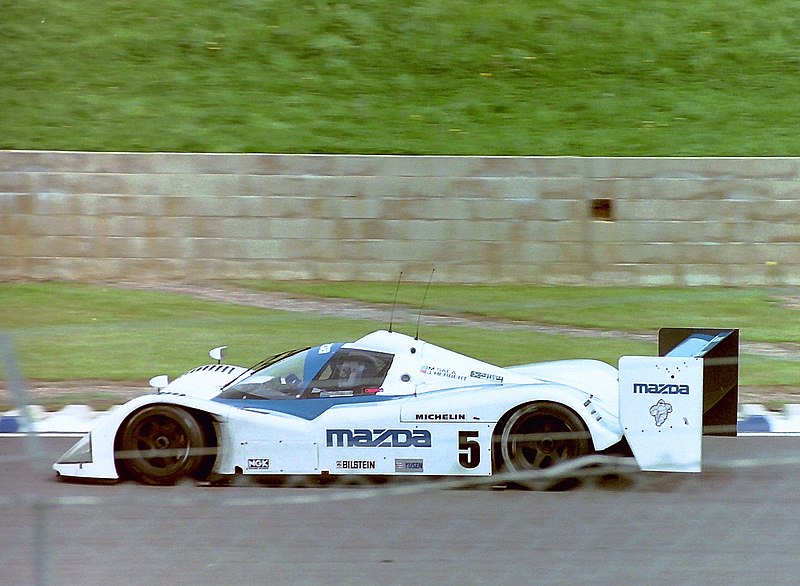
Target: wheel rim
(162,443)
(535,444)
(539,437)
(158,445)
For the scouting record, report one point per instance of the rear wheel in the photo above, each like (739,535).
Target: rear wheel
(540,435)
(159,445)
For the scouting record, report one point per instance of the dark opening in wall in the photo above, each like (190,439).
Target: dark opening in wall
(602,209)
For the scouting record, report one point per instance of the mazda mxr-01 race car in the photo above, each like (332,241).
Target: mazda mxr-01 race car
(389,404)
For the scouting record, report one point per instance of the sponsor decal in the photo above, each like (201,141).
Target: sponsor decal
(378,438)
(258,463)
(355,464)
(469,449)
(440,417)
(660,411)
(401,465)
(495,378)
(345,393)
(443,372)
(660,389)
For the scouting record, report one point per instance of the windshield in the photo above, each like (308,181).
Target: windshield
(322,371)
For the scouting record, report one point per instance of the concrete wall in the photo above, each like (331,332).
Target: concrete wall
(99,216)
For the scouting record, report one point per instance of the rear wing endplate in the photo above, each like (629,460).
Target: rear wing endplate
(667,403)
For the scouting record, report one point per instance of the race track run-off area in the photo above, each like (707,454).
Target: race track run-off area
(730,524)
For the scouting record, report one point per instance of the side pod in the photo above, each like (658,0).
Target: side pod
(667,403)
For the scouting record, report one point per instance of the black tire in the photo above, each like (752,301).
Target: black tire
(157,445)
(530,438)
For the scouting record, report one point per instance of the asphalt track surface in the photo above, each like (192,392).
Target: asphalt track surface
(737,522)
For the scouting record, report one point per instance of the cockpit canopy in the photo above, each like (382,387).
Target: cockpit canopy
(329,370)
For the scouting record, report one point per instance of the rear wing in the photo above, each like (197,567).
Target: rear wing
(667,403)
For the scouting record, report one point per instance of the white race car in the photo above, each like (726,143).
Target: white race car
(389,404)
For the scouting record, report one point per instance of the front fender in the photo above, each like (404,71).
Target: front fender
(99,462)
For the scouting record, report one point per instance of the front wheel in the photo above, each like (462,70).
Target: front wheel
(540,435)
(160,444)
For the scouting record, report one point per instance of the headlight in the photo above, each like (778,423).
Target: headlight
(80,453)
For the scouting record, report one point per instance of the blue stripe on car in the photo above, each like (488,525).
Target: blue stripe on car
(304,408)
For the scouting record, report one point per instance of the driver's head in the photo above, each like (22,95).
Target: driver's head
(345,370)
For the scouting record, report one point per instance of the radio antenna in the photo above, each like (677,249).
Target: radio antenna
(421,305)
(394,302)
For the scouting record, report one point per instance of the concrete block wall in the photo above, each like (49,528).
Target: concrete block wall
(652,221)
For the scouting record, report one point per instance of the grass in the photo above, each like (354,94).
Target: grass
(517,77)
(761,314)
(70,331)
(67,331)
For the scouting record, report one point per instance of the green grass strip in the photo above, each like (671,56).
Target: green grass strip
(510,77)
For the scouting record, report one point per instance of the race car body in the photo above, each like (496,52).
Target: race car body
(389,404)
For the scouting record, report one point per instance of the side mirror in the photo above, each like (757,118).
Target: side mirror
(159,382)
(218,353)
